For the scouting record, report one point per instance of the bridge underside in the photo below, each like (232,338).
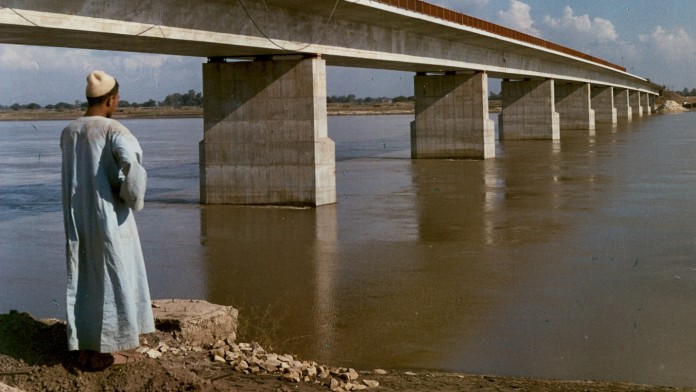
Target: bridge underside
(265,139)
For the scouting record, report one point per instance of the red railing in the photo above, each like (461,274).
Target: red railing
(456,17)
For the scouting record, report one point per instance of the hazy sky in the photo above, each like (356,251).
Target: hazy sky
(653,39)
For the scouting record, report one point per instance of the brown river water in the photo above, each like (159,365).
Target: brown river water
(573,259)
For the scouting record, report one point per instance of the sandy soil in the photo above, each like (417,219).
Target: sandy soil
(33,357)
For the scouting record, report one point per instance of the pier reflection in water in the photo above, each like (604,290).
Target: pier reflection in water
(568,259)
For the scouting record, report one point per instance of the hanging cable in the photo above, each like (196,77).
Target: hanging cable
(23,17)
(321,38)
(150,28)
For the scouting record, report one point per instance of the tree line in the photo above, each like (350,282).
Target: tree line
(191,98)
(351,98)
(688,93)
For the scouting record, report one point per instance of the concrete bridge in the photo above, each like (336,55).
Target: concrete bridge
(265,128)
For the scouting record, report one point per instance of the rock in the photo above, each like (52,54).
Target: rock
(195,320)
(371,383)
(410,374)
(671,107)
(323,372)
(380,371)
(292,376)
(352,374)
(217,358)
(152,353)
(272,365)
(359,387)
(141,350)
(310,371)
(230,356)
(7,388)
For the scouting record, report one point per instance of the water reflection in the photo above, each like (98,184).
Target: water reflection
(277,261)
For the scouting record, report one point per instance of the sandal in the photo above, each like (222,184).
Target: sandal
(124,358)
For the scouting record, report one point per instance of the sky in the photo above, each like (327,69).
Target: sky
(652,39)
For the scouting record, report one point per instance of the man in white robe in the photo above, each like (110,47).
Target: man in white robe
(103,182)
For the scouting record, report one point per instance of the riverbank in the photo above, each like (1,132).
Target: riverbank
(333,109)
(33,357)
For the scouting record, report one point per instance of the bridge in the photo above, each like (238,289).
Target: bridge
(265,128)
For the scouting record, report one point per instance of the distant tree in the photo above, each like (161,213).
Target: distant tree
(191,98)
(350,98)
(151,103)
(63,105)
(33,106)
(15,106)
(124,104)
(494,95)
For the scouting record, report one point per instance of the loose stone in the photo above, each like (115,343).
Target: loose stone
(352,374)
(141,350)
(371,383)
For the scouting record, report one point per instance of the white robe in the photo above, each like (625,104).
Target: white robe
(108,299)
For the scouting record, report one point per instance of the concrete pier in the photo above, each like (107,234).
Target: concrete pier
(265,139)
(645,103)
(573,104)
(452,119)
(603,105)
(622,102)
(635,103)
(529,110)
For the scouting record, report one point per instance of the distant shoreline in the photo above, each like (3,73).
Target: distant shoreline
(333,109)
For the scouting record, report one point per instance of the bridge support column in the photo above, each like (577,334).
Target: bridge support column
(645,103)
(529,110)
(265,139)
(603,105)
(452,118)
(622,102)
(636,104)
(573,104)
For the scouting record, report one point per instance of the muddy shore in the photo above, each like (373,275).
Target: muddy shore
(33,357)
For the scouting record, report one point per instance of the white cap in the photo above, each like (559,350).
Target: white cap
(99,83)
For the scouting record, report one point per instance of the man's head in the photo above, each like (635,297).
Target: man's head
(102,90)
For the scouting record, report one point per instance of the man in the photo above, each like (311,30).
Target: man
(103,182)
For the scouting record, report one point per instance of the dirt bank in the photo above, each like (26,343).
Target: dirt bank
(33,358)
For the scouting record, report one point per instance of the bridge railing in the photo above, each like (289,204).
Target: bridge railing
(436,11)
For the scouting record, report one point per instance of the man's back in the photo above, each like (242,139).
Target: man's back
(108,296)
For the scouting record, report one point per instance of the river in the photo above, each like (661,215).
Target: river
(573,259)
